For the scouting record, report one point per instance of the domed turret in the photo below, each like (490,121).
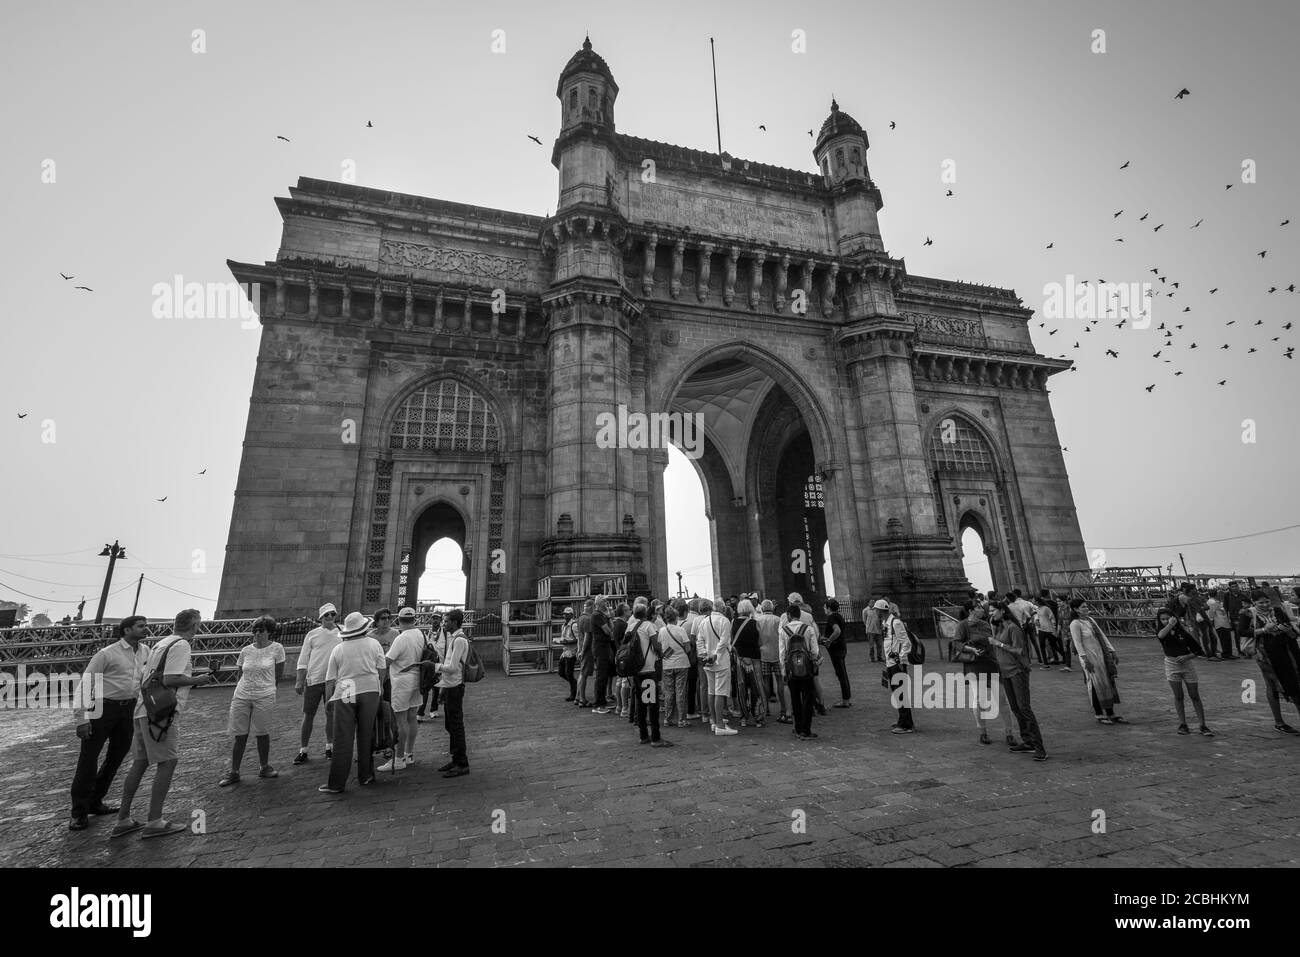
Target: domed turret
(586,90)
(841,148)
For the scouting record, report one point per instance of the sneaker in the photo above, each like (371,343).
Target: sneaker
(326,789)
(723,729)
(301,757)
(78,822)
(842,704)
(1183,729)
(1206,732)
(229,778)
(897,730)
(410,760)
(419,718)
(1023,748)
(1285,728)
(811,734)
(1040,755)
(456,771)
(448,766)
(1065,668)
(268,772)
(602,710)
(1105,720)
(434,716)
(329,752)
(393,764)
(644,741)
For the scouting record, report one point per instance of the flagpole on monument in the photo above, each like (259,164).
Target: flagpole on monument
(717,119)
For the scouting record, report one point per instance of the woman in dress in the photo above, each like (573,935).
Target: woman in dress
(975,632)
(1097,655)
(403,656)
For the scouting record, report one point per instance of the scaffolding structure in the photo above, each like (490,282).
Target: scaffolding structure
(530,627)
(1123,600)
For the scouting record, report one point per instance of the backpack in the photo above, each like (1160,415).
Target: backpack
(159,700)
(630,660)
(915,656)
(471,669)
(799,660)
(428,676)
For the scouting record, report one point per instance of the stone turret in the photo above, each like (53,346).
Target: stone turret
(841,154)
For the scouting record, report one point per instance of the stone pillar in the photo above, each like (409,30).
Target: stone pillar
(912,562)
(782,277)
(408,314)
(378,317)
(729,281)
(756,280)
(675,286)
(437,312)
(346,312)
(648,265)
(706,264)
(313,296)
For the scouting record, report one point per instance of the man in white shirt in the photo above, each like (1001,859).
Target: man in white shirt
(313,660)
(155,744)
(113,678)
(713,648)
(451,680)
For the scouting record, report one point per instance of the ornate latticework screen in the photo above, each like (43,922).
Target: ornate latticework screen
(966,450)
(445,416)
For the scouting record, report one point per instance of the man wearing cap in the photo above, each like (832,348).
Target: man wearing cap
(568,640)
(107,720)
(354,677)
(313,660)
(898,645)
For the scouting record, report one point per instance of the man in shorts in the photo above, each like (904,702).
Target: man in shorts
(159,744)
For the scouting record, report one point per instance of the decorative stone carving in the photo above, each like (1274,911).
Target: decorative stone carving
(670,337)
(648,265)
(782,277)
(465,262)
(706,263)
(756,280)
(675,284)
(729,280)
(946,326)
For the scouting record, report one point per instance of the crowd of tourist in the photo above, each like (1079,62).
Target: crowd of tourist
(725,663)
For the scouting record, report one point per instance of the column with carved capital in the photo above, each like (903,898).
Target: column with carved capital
(705,255)
(648,264)
(675,285)
(756,279)
(729,278)
(828,289)
(346,312)
(805,286)
(782,277)
(313,296)
(378,317)
(437,312)
(408,314)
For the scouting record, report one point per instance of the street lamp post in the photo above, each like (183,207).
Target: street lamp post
(112,553)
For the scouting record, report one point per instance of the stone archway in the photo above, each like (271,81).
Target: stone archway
(437,521)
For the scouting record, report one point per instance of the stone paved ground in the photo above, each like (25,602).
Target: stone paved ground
(576,789)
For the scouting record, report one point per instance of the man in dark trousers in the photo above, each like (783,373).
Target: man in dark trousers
(109,687)
(1012,652)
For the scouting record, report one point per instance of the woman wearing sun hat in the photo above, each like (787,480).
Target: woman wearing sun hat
(403,655)
(353,679)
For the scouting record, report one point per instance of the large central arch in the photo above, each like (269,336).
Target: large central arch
(765,433)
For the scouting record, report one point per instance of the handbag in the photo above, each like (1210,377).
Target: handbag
(159,700)
(964,654)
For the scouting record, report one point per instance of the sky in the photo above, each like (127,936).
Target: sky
(166,162)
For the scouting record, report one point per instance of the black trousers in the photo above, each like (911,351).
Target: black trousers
(604,661)
(802,695)
(647,684)
(91,782)
(904,713)
(692,690)
(566,674)
(453,706)
(1017,689)
(839,651)
(1052,642)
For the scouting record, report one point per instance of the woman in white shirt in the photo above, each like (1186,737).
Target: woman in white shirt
(261,666)
(353,679)
(405,651)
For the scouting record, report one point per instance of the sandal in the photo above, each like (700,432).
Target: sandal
(164,830)
(1183,729)
(123,828)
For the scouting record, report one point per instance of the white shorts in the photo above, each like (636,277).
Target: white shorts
(406,692)
(719,682)
(251,715)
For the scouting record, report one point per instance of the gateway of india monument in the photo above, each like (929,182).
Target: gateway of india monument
(431,369)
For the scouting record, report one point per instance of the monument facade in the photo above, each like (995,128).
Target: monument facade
(430,369)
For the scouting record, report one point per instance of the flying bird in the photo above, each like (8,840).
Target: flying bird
(1143,217)
(762,127)
(1272,289)
(1214,290)
(1050,245)
(1284,222)
(1151,386)
(1291,288)
(1117,215)
(810,134)
(1125,166)
(1182,93)
(534,139)
(67,277)
(285,138)
(1120,240)
(1262,253)
(369,125)
(1223,382)
(163,499)
(1197,223)
(23,415)
(204,472)
(1112,353)
(1229,186)
(85,288)
(949,193)
(928,241)
(892,124)
(1158,228)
